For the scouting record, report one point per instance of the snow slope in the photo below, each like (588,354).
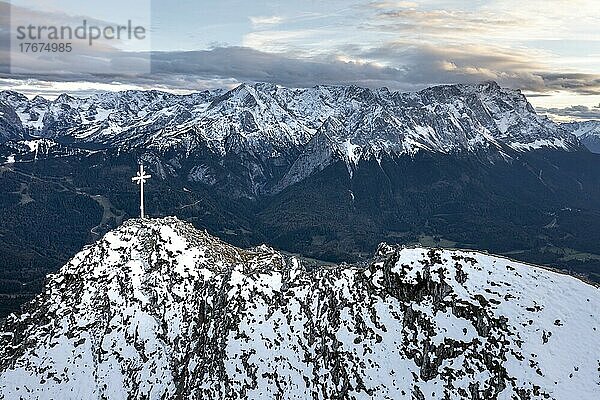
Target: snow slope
(157,309)
(266,118)
(588,133)
(279,136)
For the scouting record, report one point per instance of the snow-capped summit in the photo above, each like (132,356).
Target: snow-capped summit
(157,309)
(440,119)
(588,133)
(279,136)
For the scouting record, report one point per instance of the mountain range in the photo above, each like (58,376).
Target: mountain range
(325,172)
(280,135)
(157,309)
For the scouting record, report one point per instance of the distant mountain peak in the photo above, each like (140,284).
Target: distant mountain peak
(273,124)
(588,133)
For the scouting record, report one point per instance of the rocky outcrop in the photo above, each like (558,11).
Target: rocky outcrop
(157,309)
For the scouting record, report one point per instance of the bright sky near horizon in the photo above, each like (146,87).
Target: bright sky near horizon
(549,49)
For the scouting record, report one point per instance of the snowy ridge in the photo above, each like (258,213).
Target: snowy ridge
(10,124)
(266,118)
(583,128)
(278,136)
(157,309)
(588,133)
(33,149)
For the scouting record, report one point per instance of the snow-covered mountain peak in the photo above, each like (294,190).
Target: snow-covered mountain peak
(583,128)
(158,309)
(588,133)
(276,130)
(12,97)
(442,118)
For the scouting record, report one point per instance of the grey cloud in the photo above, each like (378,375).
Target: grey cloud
(199,69)
(426,64)
(412,68)
(578,112)
(245,64)
(575,82)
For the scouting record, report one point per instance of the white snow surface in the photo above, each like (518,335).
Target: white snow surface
(588,133)
(157,309)
(265,117)
(299,131)
(583,128)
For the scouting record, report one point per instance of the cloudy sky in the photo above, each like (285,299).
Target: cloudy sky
(549,49)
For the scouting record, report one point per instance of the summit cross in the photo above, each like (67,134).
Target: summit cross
(140,179)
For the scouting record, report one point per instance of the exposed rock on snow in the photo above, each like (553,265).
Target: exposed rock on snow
(157,309)
(588,133)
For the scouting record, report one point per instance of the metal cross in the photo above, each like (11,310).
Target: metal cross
(140,179)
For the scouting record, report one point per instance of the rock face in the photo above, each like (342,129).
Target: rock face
(272,132)
(157,309)
(588,133)
(10,124)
